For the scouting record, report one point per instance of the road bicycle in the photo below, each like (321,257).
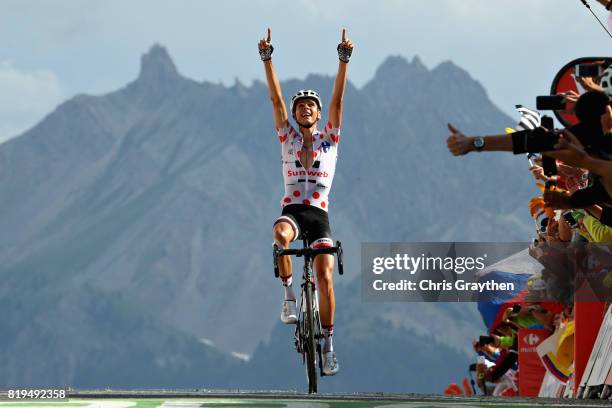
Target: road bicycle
(308,333)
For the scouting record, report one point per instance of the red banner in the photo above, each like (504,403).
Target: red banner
(531,370)
(588,317)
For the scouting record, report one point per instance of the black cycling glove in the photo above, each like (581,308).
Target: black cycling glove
(266,53)
(344,53)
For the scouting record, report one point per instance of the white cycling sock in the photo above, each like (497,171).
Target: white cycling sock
(328,332)
(289,295)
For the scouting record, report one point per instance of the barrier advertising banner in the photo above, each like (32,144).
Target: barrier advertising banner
(532,371)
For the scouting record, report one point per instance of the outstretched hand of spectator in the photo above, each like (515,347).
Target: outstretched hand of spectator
(569,97)
(458,144)
(589,84)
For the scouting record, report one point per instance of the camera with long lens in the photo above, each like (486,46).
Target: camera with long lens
(545,137)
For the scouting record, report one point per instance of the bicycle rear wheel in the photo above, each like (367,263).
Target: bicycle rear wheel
(310,347)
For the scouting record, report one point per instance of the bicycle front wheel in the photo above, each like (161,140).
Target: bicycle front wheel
(310,347)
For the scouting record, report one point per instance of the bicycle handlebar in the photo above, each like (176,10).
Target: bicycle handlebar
(307,251)
(311,252)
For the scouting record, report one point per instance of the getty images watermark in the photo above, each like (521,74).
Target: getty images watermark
(452,272)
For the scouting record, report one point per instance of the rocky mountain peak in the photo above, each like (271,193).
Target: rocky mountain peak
(396,65)
(156,65)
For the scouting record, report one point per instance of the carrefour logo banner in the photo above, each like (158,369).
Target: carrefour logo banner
(485,272)
(531,371)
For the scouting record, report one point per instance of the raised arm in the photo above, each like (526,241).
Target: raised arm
(345,48)
(278,104)
(459,144)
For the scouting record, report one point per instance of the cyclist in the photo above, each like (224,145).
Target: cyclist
(308,163)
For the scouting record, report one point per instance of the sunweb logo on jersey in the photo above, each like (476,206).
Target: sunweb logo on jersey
(310,173)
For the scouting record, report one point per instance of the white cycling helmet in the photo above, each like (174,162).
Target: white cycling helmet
(306,94)
(606,81)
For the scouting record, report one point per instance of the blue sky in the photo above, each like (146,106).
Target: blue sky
(52,50)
